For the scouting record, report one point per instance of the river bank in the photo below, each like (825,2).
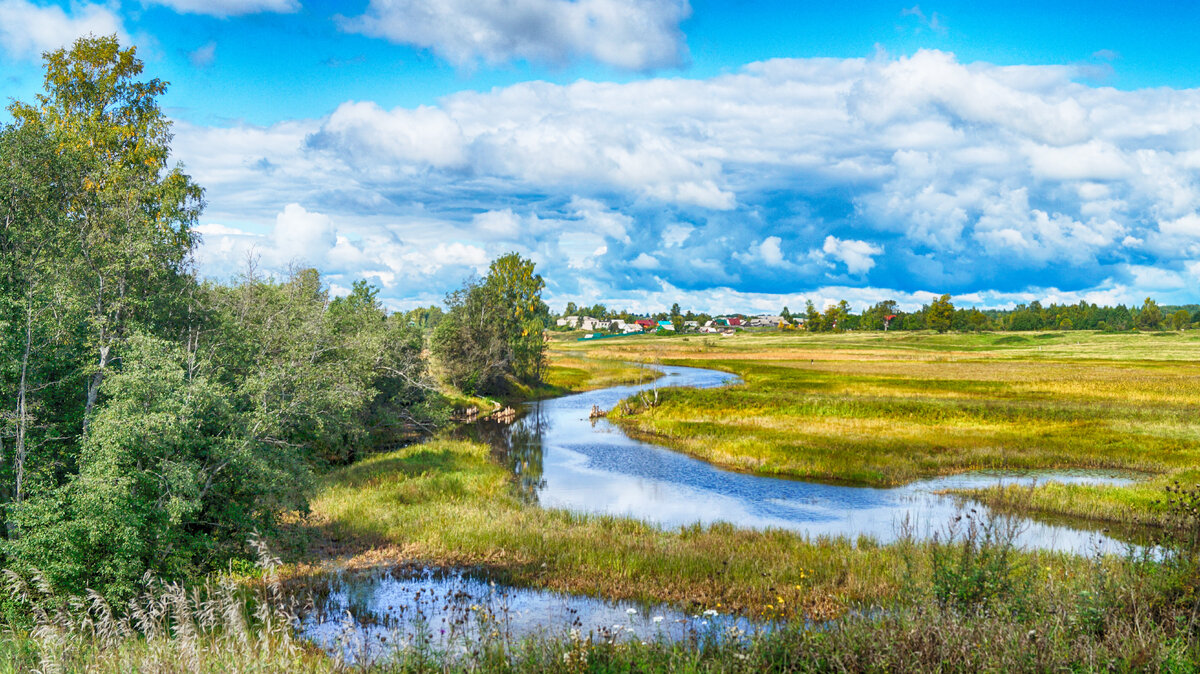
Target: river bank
(889,410)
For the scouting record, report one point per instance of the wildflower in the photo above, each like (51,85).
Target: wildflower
(658,618)
(710,612)
(631,611)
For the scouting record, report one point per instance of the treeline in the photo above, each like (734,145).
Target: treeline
(941,315)
(151,421)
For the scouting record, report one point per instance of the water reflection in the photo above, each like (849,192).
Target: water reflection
(364,618)
(562,459)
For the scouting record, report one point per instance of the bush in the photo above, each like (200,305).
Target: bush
(973,560)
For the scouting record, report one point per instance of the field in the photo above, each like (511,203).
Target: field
(908,606)
(888,409)
(808,406)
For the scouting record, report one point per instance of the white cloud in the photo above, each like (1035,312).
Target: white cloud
(27,29)
(858,256)
(203,56)
(629,34)
(645,261)
(224,8)
(979,178)
(303,236)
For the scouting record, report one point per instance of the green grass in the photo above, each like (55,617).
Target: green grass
(569,372)
(904,607)
(884,410)
(445,503)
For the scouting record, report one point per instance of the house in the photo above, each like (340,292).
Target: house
(665,325)
(646,324)
(691,324)
(766,321)
(588,323)
(628,328)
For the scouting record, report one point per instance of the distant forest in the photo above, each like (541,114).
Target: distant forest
(941,315)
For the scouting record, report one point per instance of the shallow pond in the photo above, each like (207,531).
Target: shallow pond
(365,618)
(562,459)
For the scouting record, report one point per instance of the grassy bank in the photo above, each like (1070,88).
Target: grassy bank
(966,603)
(960,605)
(888,409)
(569,372)
(446,503)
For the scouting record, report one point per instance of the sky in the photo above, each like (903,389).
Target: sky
(729,156)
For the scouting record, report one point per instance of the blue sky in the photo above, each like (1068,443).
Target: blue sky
(726,155)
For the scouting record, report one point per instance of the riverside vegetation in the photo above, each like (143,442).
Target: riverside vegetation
(883,410)
(158,429)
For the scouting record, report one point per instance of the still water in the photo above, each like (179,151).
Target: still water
(562,459)
(366,618)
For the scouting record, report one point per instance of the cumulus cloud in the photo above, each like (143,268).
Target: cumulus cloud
(858,256)
(976,179)
(628,34)
(224,8)
(27,29)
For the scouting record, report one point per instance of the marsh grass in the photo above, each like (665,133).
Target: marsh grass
(885,410)
(967,601)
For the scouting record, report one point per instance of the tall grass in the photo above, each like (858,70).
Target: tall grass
(214,626)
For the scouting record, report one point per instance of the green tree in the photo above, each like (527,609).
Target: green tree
(169,479)
(132,218)
(523,314)
(37,361)
(1150,316)
(875,318)
(812,317)
(939,314)
(834,318)
(1180,319)
(493,329)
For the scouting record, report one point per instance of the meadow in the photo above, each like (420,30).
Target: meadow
(967,600)
(886,409)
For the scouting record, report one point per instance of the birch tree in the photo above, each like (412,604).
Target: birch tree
(131,220)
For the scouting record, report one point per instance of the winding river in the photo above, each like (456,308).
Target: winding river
(561,459)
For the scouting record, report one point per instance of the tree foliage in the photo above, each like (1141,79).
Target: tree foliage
(493,329)
(150,421)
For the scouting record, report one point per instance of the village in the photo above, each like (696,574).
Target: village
(721,325)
